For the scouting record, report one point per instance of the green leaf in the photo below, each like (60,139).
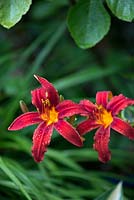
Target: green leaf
(11,11)
(115,194)
(14,179)
(62,159)
(88,22)
(122,9)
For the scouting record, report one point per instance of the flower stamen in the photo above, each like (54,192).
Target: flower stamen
(49,114)
(103,116)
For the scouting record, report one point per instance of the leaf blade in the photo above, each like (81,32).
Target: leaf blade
(122,9)
(88,22)
(12,11)
(115,194)
(15,180)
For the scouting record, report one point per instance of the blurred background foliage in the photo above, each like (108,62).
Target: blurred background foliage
(40,44)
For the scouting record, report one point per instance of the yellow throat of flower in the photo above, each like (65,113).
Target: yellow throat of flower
(49,114)
(103,116)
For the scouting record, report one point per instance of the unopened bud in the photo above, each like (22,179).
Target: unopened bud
(23,106)
(61,98)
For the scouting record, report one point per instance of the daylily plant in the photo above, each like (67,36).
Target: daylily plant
(104,116)
(51,113)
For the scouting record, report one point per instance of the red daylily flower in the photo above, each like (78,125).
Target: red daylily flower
(50,114)
(103,115)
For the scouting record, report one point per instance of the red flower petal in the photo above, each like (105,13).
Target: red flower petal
(75,110)
(101,140)
(86,126)
(41,139)
(68,132)
(123,127)
(68,108)
(24,120)
(119,103)
(37,96)
(49,90)
(64,105)
(103,97)
(88,105)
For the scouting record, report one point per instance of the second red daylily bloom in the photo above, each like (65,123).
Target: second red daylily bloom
(103,115)
(50,114)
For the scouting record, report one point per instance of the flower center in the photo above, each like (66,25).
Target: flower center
(49,114)
(103,116)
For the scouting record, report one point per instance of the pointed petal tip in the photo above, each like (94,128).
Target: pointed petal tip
(24,120)
(35,76)
(104,160)
(41,140)
(37,159)
(105,157)
(39,78)
(123,128)
(46,88)
(9,128)
(68,132)
(101,141)
(79,143)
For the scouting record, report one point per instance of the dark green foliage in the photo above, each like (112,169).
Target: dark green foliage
(88,22)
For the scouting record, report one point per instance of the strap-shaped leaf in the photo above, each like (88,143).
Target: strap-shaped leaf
(11,11)
(115,194)
(123,9)
(88,22)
